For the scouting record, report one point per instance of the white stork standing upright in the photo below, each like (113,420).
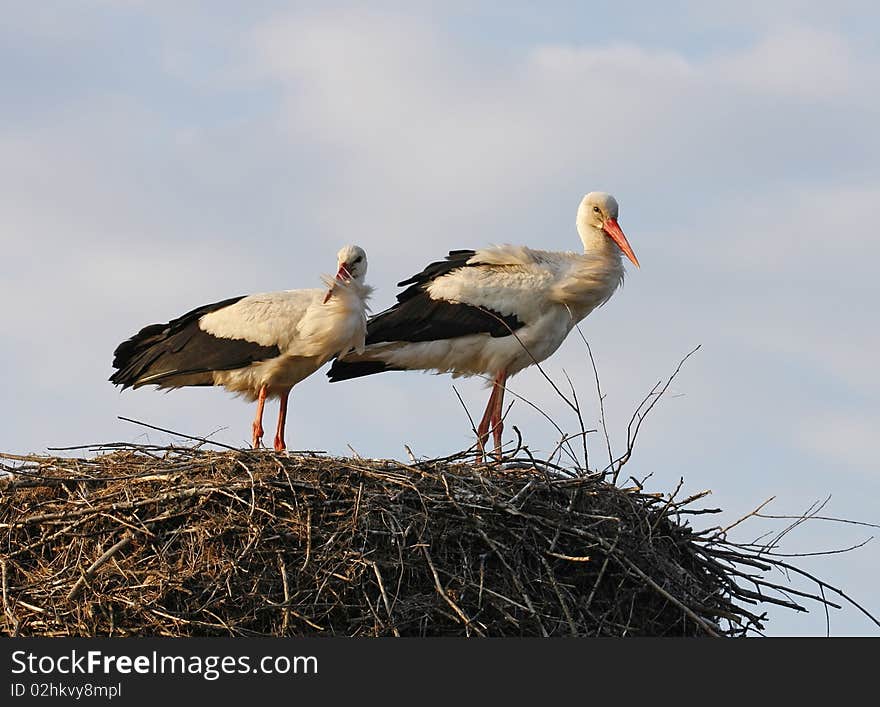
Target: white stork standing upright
(258,346)
(495,311)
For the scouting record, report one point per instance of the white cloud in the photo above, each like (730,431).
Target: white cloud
(843,437)
(799,62)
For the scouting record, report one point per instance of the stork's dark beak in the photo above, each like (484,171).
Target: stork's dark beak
(342,275)
(615,233)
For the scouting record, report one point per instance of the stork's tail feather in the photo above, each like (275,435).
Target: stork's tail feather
(181,353)
(134,357)
(343,370)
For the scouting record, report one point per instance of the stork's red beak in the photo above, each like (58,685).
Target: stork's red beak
(342,275)
(616,234)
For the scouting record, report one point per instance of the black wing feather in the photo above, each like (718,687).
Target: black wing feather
(419,317)
(161,352)
(455,260)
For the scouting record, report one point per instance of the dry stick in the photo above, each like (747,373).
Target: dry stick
(374,610)
(626,562)
(567,438)
(466,412)
(602,569)
(385,597)
(49,538)
(519,436)
(661,514)
(600,396)
(68,479)
(90,572)
(519,439)
(827,518)
(117,445)
(722,532)
(638,417)
(116,506)
(442,592)
(818,581)
(308,538)
(544,465)
(540,368)
(286,611)
(180,434)
(570,558)
(758,582)
(814,507)
(534,360)
(686,609)
(820,553)
(580,419)
(516,583)
(10,616)
(568,617)
(253,491)
(528,402)
(571,503)
(827,615)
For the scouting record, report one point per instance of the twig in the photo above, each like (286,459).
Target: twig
(203,440)
(442,592)
(385,597)
(90,572)
(638,416)
(600,396)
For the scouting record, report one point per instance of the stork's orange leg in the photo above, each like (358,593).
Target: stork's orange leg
(483,429)
(282,420)
(497,412)
(258,420)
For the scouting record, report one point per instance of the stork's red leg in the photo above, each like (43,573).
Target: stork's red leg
(483,429)
(258,420)
(497,412)
(282,420)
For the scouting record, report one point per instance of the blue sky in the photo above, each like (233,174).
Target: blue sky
(158,156)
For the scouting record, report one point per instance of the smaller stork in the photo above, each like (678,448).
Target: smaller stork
(258,346)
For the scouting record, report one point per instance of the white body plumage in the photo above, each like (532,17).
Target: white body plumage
(307,331)
(549,292)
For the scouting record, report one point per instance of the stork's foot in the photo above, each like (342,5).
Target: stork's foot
(484,456)
(497,430)
(492,418)
(257,425)
(282,419)
(483,430)
(257,439)
(481,449)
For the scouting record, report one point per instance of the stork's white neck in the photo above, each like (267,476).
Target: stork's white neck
(594,276)
(596,242)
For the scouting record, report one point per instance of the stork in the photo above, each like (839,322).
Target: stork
(257,346)
(495,311)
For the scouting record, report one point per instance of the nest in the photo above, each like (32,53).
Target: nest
(183,541)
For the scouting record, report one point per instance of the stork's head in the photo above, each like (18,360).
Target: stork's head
(597,222)
(351,266)
(351,263)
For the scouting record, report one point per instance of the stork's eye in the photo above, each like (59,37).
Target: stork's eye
(357,260)
(597,210)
